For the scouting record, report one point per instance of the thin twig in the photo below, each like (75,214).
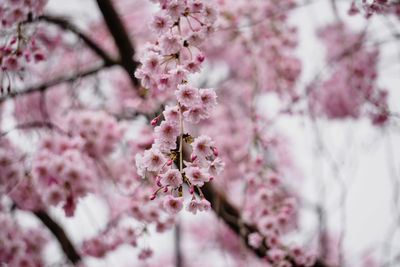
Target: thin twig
(65,24)
(48,84)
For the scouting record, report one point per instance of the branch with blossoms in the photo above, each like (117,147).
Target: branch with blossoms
(175,164)
(181,29)
(165,67)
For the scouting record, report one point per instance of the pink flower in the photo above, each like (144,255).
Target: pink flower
(187,95)
(255,240)
(145,254)
(195,5)
(54,195)
(178,74)
(208,99)
(272,240)
(266,225)
(166,135)
(175,8)
(172,204)
(172,177)
(171,44)
(210,13)
(164,82)
(151,62)
(144,76)
(171,114)
(202,146)
(276,254)
(161,22)
(11,63)
(193,206)
(196,175)
(194,114)
(193,66)
(297,253)
(153,160)
(204,205)
(166,131)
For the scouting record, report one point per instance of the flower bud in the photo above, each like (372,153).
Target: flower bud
(215,151)
(154,121)
(158,181)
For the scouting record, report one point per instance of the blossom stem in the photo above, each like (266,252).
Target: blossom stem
(180,139)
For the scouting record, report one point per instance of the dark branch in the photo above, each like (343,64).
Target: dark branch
(231,216)
(65,24)
(56,81)
(35,124)
(121,38)
(59,233)
(177,239)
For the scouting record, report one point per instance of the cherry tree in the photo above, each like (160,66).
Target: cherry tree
(157,109)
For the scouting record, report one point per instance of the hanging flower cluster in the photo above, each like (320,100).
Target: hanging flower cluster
(62,171)
(351,87)
(99,130)
(181,27)
(20,47)
(108,240)
(19,246)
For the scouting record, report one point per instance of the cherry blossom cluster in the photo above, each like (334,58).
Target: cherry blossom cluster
(109,240)
(13,57)
(257,165)
(62,172)
(20,246)
(181,27)
(351,87)
(13,181)
(274,213)
(261,45)
(99,130)
(30,107)
(17,47)
(375,7)
(131,202)
(26,196)
(15,11)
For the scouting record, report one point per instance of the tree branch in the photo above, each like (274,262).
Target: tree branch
(121,38)
(65,24)
(231,216)
(35,124)
(56,81)
(59,233)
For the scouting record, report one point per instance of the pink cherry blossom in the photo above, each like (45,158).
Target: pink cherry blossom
(172,178)
(172,204)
